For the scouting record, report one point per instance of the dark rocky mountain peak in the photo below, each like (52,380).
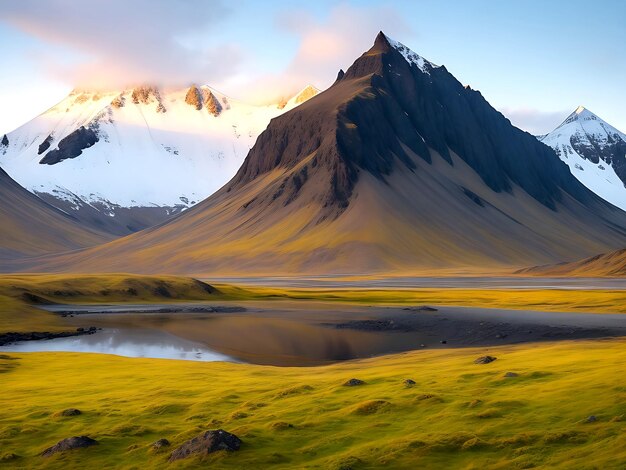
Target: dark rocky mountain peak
(390,106)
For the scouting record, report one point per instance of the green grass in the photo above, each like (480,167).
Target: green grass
(555,300)
(20,294)
(458,415)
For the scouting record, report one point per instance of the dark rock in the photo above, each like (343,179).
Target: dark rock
(45,145)
(160,444)
(15,337)
(421,308)
(118,102)
(207,443)
(511,374)
(591,419)
(76,442)
(211,103)
(485,360)
(71,146)
(144,94)
(5,141)
(353,383)
(443,341)
(71,412)
(409,382)
(194,97)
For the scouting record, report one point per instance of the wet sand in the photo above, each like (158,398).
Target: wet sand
(304,333)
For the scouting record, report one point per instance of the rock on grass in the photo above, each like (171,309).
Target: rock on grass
(207,443)
(160,444)
(76,442)
(485,360)
(353,383)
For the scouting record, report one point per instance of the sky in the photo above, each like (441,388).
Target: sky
(535,61)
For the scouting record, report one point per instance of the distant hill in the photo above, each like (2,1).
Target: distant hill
(30,226)
(606,264)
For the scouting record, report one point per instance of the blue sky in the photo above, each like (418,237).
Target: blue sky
(535,61)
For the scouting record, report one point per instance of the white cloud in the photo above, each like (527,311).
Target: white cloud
(120,42)
(324,47)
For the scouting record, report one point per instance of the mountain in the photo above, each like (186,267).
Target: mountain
(30,226)
(594,151)
(397,167)
(123,161)
(611,264)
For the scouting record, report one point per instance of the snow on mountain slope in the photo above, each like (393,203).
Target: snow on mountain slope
(411,57)
(594,151)
(114,154)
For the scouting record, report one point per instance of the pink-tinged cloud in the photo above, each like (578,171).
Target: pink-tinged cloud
(324,47)
(118,42)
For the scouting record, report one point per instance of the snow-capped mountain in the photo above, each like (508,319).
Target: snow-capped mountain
(126,160)
(595,152)
(395,168)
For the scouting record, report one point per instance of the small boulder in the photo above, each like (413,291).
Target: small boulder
(591,419)
(511,374)
(485,360)
(409,382)
(76,442)
(426,308)
(353,383)
(207,443)
(70,412)
(160,444)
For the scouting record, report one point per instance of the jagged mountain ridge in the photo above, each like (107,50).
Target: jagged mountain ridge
(123,161)
(378,130)
(595,152)
(395,168)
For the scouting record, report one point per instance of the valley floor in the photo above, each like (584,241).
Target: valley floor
(543,403)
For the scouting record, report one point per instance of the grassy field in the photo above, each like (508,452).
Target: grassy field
(458,415)
(20,294)
(553,300)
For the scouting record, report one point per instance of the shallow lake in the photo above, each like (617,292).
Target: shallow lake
(302,333)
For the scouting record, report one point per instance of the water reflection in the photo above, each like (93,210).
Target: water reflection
(128,343)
